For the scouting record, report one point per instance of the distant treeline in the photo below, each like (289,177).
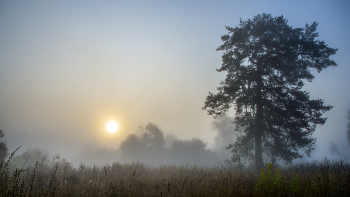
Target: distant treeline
(148,145)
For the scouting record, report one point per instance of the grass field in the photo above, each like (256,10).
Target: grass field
(324,178)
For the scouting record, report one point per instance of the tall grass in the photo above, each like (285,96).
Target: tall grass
(325,178)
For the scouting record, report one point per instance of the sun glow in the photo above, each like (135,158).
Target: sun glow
(112,126)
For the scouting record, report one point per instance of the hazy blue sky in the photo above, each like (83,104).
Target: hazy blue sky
(67,67)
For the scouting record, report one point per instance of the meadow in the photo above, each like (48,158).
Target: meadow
(60,178)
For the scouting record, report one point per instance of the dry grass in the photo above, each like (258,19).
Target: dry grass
(326,178)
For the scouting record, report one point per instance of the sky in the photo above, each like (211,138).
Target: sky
(68,67)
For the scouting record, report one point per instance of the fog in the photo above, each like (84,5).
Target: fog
(147,145)
(67,68)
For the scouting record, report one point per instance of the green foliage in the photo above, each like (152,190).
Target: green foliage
(295,185)
(270,183)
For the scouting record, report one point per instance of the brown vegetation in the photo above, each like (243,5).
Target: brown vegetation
(326,178)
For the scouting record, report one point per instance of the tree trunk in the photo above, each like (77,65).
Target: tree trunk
(258,122)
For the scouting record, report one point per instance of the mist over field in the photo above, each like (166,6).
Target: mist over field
(67,68)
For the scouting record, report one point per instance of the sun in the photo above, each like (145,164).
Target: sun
(112,126)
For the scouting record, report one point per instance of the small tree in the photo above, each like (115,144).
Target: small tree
(267,62)
(153,137)
(3,148)
(131,148)
(348,130)
(145,148)
(225,136)
(191,152)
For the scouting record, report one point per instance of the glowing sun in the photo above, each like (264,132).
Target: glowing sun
(112,126)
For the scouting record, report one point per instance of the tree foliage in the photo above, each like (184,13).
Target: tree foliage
(190,152)
(150,148)
(131,148)
(267,62)
(153,137)
(3,148)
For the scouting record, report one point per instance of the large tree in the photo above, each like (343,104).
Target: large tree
(267,62)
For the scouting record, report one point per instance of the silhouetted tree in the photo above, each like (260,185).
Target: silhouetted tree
(340,150)
(131,148)
(169,139)
(334,148)
(266,62)
(190,152)
(98,156)
(348,131)
(147,148)
(225,135)
(153,137)
(29,158)
(3,148)
(194,145)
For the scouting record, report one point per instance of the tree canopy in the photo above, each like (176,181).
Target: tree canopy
(153,137)
(267,62)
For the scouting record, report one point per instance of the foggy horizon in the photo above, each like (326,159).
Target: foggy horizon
(70,67)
